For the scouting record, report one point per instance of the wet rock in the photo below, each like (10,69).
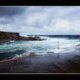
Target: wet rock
(78,45)
(31,39)
(21,38)
(7,36)
(15,60)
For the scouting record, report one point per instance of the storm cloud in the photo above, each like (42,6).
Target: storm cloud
(40,19)
(11,11)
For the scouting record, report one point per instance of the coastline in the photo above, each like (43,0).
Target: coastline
(25,39)
(46,63)
(4,41)
(49,63)
(38,54)
(8,36)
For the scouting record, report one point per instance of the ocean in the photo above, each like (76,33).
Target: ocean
(14,49)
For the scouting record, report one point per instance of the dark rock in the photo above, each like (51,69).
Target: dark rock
(31,38)
(15,60)
(7,36)
(21,63)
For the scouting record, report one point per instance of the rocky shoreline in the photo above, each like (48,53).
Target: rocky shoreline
(8,36)
(50,63)
(31,38)
(24,39)
(4,41)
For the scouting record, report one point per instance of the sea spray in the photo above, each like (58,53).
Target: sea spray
(14,49)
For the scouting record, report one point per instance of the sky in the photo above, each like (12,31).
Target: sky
(40,20)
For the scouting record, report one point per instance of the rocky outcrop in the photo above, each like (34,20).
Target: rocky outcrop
(7,36)
(31,38)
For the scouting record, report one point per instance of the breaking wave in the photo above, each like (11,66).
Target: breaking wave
(14,49)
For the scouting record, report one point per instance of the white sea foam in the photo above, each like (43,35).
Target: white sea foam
(17,55)
(40,47)
(61,50)
(12,41)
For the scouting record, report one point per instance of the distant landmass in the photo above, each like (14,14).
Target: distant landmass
(7,36)
(65,36)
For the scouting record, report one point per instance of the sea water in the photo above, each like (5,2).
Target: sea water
(14,49)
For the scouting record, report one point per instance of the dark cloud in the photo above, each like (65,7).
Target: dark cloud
(44,19)
(9,14)
(11,11)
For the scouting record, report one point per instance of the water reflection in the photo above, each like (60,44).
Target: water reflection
(58,55)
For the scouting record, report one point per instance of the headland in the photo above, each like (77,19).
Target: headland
(7,36)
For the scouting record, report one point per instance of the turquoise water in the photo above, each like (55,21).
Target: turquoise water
(14,49)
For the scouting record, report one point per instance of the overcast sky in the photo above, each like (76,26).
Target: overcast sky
(40,20)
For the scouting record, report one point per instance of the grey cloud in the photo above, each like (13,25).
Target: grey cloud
(10,14)
(53,13)
(11,11)
(70,13)
(7,21)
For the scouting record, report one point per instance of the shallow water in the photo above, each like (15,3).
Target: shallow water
(13,49)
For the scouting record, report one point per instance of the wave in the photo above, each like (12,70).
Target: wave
(12,41)
(20,48)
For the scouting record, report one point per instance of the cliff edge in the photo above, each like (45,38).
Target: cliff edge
(7,36)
